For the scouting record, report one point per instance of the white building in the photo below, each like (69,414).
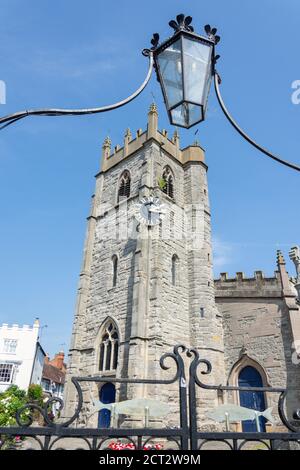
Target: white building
(21,356)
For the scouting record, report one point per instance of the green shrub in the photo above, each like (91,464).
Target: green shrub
(35,394)
(17,392)
(162,183)
(10,401)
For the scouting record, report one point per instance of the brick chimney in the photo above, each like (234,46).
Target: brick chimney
(58,360)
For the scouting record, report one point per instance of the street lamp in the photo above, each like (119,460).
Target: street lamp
(184,67)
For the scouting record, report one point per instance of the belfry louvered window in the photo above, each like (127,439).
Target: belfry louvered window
(168,179)
(109,348)
(124,186)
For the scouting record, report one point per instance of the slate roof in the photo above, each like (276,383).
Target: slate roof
(53,373)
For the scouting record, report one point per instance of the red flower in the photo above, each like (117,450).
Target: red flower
(130,446)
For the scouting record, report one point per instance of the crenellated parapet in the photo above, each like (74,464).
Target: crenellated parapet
(241,286)
(131,144)
(281,285)
(19,328)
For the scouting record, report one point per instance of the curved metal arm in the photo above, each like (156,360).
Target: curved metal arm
(217,80)
(9,119)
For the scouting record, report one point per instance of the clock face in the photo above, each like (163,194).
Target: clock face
(149,211)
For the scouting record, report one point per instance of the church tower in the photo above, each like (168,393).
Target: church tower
(146,282)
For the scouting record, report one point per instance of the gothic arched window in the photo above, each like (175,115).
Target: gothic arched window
(114,270)
(168,182)
(109,348)
(174,270)
(124,186)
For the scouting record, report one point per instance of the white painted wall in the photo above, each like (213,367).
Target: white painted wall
(23,358)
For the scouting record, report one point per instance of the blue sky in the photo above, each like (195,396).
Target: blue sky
(81,54)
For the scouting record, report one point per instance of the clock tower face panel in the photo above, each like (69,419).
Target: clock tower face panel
(150,211)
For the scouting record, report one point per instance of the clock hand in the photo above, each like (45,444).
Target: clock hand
(158,211)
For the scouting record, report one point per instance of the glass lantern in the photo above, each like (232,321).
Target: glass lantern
(184,66)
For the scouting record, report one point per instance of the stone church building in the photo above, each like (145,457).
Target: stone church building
(147,284)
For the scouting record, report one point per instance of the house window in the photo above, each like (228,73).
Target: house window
(115,270)
(109,348)
(46,384)
(168,179)
(174,269)
(10,346)
(124,186)
(6,373)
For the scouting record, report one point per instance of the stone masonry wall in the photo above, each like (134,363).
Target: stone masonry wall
(256,324)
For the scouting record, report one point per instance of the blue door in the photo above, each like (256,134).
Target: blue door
(107,394)
(250,377)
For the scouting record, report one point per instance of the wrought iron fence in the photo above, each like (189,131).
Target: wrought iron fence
(187,436)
